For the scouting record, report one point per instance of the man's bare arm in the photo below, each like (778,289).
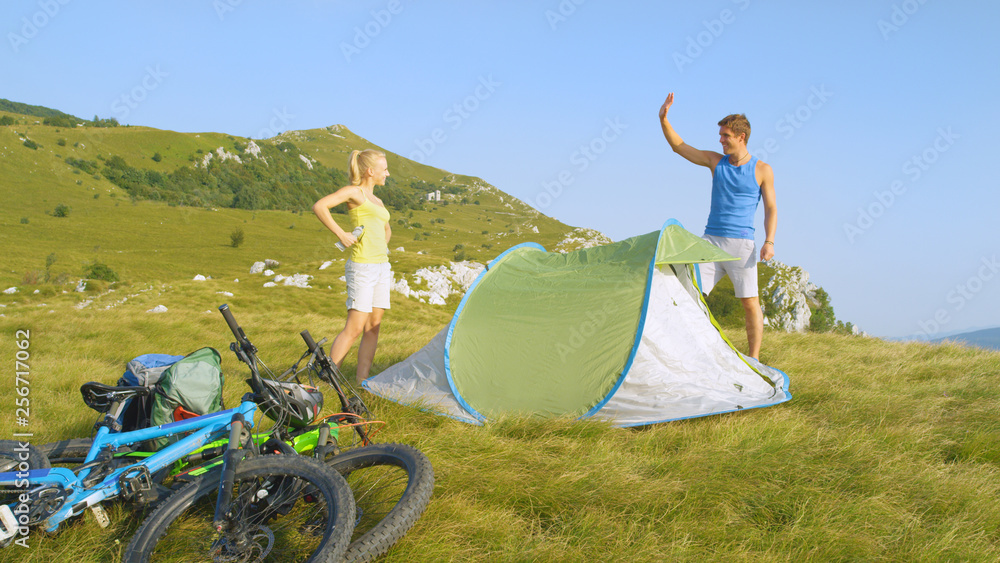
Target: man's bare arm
(702,158)
(770,210)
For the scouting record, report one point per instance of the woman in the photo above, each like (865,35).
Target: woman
(367,270)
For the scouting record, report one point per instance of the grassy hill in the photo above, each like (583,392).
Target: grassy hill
(887,452)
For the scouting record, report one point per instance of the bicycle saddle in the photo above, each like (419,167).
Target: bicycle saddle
(99,396)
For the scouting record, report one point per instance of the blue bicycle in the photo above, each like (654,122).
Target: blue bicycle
(254,508)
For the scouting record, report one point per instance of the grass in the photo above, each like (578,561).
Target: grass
(887,452)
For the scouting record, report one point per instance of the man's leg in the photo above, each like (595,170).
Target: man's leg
(755,324)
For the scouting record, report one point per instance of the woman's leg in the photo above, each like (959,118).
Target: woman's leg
(355,326)
(369,341)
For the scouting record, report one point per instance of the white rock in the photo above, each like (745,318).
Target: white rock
(10,290)
(268,273)
(269,284)
(325,265)
(199,277)
(81,286)
(441,281)
(158,309)
(278,278)
(297,280)
(257,268)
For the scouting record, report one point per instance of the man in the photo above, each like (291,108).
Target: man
(739,182)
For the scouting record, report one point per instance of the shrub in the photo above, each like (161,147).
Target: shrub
(458,247)
(61,211)
(24,220)
(31,144)
(61,142)
(157,157)
(460,256)
(99,271)
(32,277)
(236,237)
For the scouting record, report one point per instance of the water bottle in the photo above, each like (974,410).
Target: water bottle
(357,232)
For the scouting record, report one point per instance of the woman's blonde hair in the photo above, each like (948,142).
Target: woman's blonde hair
(361,161)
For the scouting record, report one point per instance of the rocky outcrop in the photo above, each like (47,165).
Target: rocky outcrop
(786,297)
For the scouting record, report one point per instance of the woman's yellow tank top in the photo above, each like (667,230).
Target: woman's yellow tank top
(372,248)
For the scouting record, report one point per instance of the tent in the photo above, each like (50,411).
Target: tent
(617,332)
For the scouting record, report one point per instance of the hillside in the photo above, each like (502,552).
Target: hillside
(144,201)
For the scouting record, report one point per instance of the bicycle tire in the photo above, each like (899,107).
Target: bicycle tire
(278,496)
(392,486)
(67,451)
(11,456)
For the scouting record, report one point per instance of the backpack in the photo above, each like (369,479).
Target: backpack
(142,371)
(191,386)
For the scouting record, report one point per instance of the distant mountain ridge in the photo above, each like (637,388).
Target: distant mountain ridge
(985,338)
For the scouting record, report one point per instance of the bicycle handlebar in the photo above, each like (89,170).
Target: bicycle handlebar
(310,343)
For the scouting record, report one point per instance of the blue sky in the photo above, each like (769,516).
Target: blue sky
(876,116)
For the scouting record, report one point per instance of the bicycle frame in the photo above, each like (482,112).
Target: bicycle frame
(124,481)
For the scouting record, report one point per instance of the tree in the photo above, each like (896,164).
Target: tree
(823,318)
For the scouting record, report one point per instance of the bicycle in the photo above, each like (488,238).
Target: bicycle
(392,483)
(251,506)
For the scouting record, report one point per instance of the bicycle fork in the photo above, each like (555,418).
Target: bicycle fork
(232,457)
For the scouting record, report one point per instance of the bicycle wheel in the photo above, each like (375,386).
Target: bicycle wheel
(65,452)
(284,508)
(19,457)
(392,485)
(14,453)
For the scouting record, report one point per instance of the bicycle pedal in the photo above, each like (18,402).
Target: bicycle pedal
(100,515)
(136,483)
(8,523)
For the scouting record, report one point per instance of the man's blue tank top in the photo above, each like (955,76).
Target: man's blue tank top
(735,195)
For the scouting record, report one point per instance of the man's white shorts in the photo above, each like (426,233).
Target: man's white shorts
(742,272)
(367,285)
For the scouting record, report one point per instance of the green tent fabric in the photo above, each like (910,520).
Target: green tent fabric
(617,331)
